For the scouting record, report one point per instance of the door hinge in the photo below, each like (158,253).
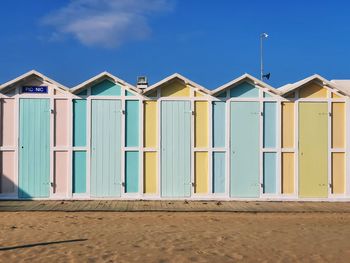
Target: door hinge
(330,114)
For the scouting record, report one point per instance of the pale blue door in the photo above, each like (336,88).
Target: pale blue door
(244,149)
(176,148)
(34,148)
(105,148)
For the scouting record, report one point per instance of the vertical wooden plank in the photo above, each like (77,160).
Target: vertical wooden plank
(106,88)
(60,122)
(176,150)
(245,149)
(106,148)
(219,172)
(175,89)
(313,149)
(244,90)
(150,173)
(79,172)
(131,172)
(201,172)
(269,129)
(131,123)
(313,90)
(201,124)
(287,173)
(150,124)
(79,122)
(338,125)
(60,172)
(287,124)
(7,176)
(338,173)
(219,123)
(269,173)
(7,126)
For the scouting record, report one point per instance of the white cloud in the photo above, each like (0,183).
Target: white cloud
(106,23)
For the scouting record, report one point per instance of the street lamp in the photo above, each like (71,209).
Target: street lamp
(262,76)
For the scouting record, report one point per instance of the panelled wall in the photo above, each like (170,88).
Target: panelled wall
(319,125)
(107,141)
(314,142)
(252,138)
(176,141)
(35,139)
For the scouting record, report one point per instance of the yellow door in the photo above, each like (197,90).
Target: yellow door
(313,149)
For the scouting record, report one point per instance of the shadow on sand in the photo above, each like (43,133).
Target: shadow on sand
(42,244)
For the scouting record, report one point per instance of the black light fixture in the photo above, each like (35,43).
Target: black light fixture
(266,76)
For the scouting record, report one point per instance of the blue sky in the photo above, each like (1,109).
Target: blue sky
(208,41)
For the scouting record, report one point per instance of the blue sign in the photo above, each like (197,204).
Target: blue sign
(34,89)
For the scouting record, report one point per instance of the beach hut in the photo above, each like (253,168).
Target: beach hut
(177,139)
(34,134)
(246,148)
(314,139)
(107,139)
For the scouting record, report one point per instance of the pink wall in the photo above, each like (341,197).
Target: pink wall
(7,139)
(60,172)
(7,165)
(61,122)
(7,133)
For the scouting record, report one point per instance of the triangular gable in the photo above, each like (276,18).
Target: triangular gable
(31,75)
(102,84)
(175,80)
(248,86)
(314,81)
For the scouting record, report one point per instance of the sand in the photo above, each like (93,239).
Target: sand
(174,237)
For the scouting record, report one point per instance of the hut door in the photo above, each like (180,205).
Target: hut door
(313,149)
(34,148)
(176,148)
(245,149)
(105,148)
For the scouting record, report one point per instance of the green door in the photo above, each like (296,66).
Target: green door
(105,148)
(34,148)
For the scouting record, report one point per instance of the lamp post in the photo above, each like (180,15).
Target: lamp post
(262,37)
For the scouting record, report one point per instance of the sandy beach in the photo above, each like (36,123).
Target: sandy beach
(174,237)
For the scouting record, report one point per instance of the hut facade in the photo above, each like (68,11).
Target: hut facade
(106,138)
